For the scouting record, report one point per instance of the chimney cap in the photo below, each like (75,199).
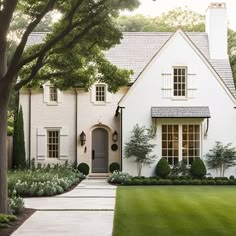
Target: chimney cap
(217,5)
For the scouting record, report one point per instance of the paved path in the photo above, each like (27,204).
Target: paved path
(87,210)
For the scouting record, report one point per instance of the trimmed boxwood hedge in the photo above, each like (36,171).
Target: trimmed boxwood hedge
(176,181)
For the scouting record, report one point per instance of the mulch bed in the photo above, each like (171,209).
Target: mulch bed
(14,225)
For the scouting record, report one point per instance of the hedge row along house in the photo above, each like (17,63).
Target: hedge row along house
(182,85)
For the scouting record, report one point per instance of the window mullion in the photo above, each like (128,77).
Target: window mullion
(180,142)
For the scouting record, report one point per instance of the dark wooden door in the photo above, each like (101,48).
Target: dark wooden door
(100,151)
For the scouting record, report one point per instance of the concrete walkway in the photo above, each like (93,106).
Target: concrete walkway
(87,210)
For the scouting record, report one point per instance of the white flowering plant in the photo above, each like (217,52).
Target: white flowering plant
(42,181)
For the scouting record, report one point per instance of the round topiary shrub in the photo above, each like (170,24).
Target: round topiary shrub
(162,168)
(114,166)
(231,177)
(198,168)
(83,168)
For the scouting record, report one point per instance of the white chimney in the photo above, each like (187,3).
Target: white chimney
(216,28)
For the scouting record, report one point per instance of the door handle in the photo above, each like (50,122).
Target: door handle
(93,154)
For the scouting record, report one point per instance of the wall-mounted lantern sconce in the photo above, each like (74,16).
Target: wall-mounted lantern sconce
(82,138)
(115,137)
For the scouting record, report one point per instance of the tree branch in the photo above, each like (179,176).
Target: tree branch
(12,70)
(39,62)
(8,7)
(70,26)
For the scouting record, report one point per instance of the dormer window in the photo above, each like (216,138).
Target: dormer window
(53,96)
(100,93)
(180,81)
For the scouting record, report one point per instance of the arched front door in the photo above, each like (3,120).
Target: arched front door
(100,151)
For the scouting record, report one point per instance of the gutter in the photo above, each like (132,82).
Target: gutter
(29,134)
(76,127)
(121,134)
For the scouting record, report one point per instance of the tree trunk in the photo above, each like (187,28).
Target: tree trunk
(5,88)
(139,168)
(4,97)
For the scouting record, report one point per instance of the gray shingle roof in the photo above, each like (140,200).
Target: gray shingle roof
(180,112)
(138,48)
(36,38)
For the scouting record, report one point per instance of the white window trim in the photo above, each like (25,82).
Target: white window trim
(180,125)
(59,143)
(180,98)
(46,95)
(93,95)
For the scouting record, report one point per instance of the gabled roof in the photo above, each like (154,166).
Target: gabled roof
(137,49)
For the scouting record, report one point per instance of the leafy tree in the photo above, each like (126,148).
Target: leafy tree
(221,157)
(198,168)
(71,55)
(18,155)
(139,148)
(166,22)
(162,168)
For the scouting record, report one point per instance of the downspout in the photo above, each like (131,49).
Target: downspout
(121,134)
(76,127)
(29,141)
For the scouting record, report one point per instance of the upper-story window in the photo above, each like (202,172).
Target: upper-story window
(180,81)
(53,96)
(100,93)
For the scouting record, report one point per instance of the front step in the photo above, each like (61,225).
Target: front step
(97,176)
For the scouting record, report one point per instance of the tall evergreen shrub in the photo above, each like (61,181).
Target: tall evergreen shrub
(18,156)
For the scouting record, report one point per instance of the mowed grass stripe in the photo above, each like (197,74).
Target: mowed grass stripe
(175,210)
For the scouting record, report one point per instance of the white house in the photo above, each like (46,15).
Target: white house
(182,85)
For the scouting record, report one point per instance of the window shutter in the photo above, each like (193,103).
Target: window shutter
(108,96)
(60,96)
(192,80)
(64,143)
(41,144)
(167,82)
(93,93)
(46,93)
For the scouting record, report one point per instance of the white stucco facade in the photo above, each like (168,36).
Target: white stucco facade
(147,92)
(208,84)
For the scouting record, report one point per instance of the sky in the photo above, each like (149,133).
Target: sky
(155,8)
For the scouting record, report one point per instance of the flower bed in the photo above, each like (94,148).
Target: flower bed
(43,181)
(126,179)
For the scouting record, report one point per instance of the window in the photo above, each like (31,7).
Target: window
(186,135)
(180,77)
(170,143)
(100,93)
(53,143)
(190,143)
(53,96)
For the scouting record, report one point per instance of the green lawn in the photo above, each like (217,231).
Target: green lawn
(175,210)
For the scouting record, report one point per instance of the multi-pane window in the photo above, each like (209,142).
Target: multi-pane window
(170,143)
(53,142)
(53,96)
(100,93)
(190,143)
(181,143)
(180,77)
